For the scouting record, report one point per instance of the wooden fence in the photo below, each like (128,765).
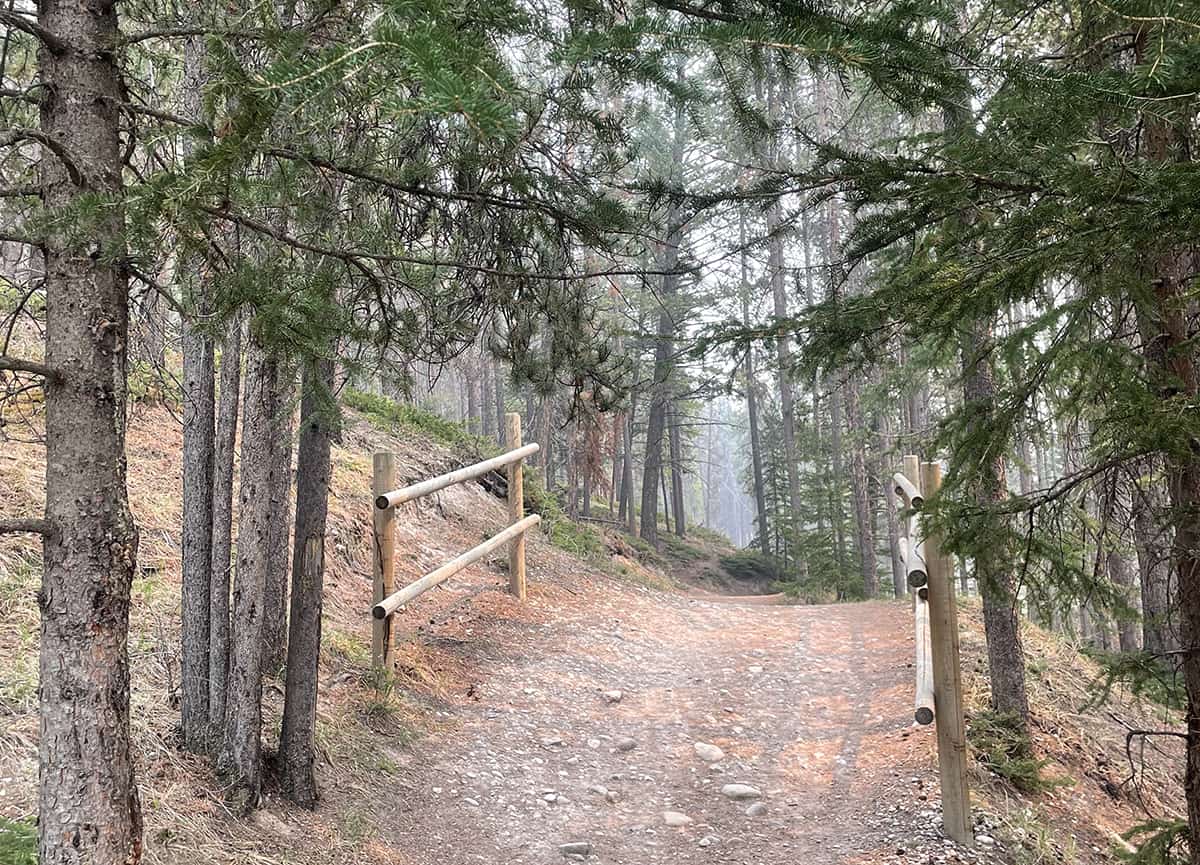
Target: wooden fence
(387,601)
(938,672)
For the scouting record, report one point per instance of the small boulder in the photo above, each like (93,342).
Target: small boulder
(740,791)
(575,848)
(676,818)
(708,753)
(626,744)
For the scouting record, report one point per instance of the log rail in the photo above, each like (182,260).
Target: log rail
(387,600)
(938,691)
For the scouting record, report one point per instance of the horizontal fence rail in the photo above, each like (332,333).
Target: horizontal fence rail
(386,600)
(396,600)
(469,473)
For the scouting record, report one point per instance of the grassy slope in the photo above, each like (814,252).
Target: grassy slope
(364,734)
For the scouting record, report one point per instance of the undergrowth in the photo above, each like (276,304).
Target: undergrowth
(387,413)
(752,566)
(18,842)
(1158,842)
(1003,748)
(1146,676)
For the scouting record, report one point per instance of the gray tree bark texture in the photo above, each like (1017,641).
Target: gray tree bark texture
(225,444)
(1002,627)
(677,495)
(1152,544)
(88,812)
(664,347)
(297,749)
(275,629)
(199,417)
(240,761)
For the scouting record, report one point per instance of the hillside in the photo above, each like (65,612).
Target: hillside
(503,736)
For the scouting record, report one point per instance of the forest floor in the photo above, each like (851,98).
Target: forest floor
(500,738)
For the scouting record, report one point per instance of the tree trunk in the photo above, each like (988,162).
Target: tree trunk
(88,808)
(1152,542)
(664,348)
(783,353)
(297,749)
(501,402)
(859,489)
(199,418)
(471,380)
(222,537)
(487,396)
(275,630)
(240,760)
(899,577)
(1002,627)
(676,446)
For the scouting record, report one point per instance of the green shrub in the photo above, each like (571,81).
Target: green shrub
(387,414)
(1002,747)
(579,539)
(1157,842)
(18,842)
(751,566)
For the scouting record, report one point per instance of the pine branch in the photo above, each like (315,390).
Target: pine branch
(357,257)
(18,191)
(183,32)
(17,135)
(33,367)
(12,237)
(54,43)
(31,525)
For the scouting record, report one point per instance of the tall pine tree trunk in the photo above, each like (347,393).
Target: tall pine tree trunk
(993,574)
(88,808)
(1152,543)
(222,536)
(664,347)
(240,760)
(275,630)
(676,445)
(297,747)
(199,418)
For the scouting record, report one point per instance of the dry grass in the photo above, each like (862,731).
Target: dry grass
(363,731)
(1101,794)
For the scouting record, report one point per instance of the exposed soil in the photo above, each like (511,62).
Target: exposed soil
(811,705)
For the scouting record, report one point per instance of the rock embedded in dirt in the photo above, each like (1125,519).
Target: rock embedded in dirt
(740,791)
(676,818)
(576,848)
(756,810)
(626,744)
(612,696)
(708,753)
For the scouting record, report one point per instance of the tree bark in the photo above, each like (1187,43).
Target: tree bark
(676,446)
(199,418)
(783,352)
(297,750)
(501,402)
(88,809)
(859,489)
(222,536)
(240,760)
(1152,543)
(664,347)
(1002,627)
(275,630)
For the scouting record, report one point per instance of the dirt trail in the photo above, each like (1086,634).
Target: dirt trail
(811,705)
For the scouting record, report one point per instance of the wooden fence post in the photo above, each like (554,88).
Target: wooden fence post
(516,507)
(383,558)
(947,677)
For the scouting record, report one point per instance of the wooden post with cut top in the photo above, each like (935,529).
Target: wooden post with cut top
(947,676)
(516,507)
(383,560)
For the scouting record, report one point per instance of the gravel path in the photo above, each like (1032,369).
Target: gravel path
(580,740)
